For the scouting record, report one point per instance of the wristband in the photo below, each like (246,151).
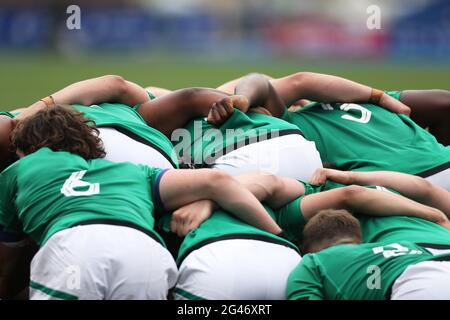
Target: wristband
(375,96)
(49,101)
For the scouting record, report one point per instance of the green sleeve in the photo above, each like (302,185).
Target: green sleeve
(161,215)
(8,114)
(394,94)
(311,188)
(304,282)
(154,176)
(290,219)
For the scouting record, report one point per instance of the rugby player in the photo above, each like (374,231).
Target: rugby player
(339,267)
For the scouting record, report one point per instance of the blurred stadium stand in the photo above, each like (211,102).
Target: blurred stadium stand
(316,29)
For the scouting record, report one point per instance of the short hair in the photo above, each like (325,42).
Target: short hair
(60,128)
(328,226)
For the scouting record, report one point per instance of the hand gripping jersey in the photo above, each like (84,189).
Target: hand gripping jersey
(203,143)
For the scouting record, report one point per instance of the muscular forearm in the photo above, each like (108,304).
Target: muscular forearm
(427,101)
(328,88)
(362,200)
(380,203)
(237,200)
(174,110)
(413,187)
(181,187)
(102,89)
(320,87)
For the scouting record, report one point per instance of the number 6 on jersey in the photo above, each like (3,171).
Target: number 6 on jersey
(74,181)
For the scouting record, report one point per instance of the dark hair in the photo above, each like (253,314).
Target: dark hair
(60,128)
(328,226)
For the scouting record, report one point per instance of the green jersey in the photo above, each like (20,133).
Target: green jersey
(354,271)
(223,226)
(204,142)
(367,137)
(402,228)
(128,121)
(46,192)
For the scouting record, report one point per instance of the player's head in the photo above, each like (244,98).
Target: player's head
(59,128)
(7,156)
(329,228)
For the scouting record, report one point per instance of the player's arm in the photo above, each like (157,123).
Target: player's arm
(410,186)
(304,282)
(273,190)
(428,104)
(110,88)
(174,110)
(328,88)
(430,108)
(181,187)
(362,200)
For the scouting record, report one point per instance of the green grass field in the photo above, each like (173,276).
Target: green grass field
(24,79)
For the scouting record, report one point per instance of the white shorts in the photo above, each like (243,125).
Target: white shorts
(288,156)
(94,262)
(428,280)
(441,179)
(121,148)
(236,269)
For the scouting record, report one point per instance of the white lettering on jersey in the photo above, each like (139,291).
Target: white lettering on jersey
(74,181)
(394,250)
(326,106)
(365,113)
